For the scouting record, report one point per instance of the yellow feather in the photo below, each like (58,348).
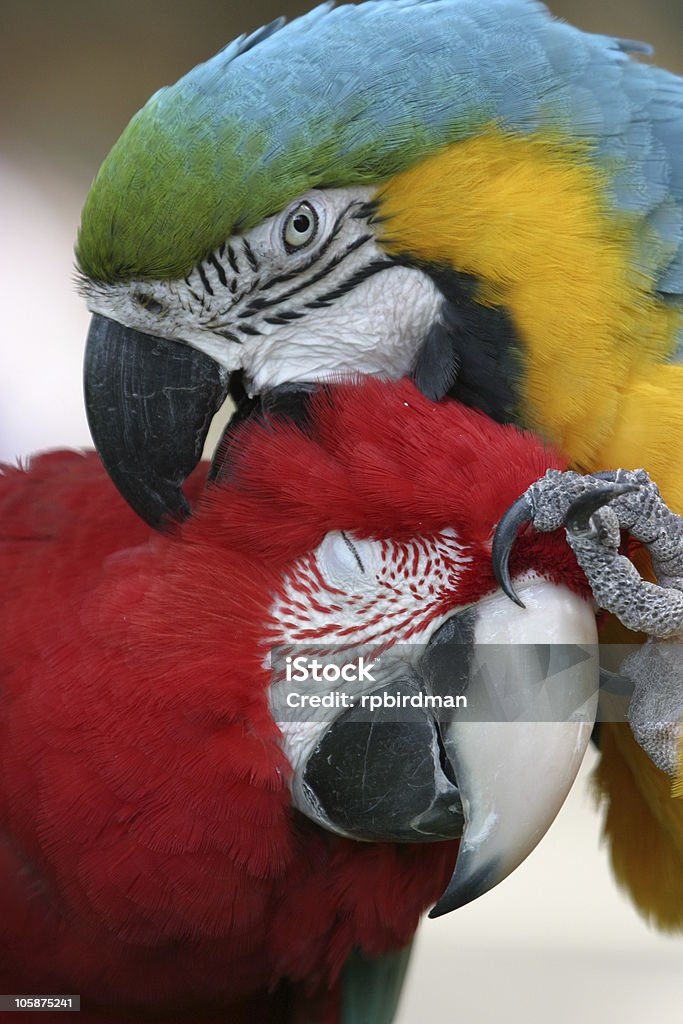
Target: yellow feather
(528,216)
(643,825)
(648,429)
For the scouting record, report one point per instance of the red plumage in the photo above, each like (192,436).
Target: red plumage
(149,853)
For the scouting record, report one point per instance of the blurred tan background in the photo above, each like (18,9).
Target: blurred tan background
(556,942)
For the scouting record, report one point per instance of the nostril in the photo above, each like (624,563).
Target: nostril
(148,303)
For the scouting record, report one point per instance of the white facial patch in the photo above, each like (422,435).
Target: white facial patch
(355,595)
(306,295)
(376,328)
(352,590)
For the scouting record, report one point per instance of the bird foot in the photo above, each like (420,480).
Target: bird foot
(594,510)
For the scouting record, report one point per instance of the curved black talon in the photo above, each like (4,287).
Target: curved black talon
(578,515)
(519,514)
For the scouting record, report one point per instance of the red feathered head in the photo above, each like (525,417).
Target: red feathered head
(380,460)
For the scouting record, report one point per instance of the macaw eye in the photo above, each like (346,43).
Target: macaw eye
(340,560)
(300,227)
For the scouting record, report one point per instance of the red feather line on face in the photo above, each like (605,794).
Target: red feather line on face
(397,602)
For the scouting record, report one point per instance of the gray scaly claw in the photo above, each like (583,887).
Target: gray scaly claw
(594,510)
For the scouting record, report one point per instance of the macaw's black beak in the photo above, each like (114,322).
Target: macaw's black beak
(149,403)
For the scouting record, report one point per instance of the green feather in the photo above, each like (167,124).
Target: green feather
(371,988)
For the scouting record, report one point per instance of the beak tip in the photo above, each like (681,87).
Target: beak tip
(442,907)
(464,889)
(514,597)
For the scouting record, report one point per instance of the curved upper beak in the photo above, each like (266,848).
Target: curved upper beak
(149,403)
(529,721)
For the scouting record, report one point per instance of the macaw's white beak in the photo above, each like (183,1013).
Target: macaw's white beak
(532,701)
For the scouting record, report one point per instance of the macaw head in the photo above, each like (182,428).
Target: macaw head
(374,523)
(454,190)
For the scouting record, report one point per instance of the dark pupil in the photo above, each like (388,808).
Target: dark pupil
(301,223)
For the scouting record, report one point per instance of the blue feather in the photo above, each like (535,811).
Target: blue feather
(353,94)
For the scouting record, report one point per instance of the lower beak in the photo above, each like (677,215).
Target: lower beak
(382,776)
(150,403)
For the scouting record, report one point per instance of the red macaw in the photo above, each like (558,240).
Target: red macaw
(167,845)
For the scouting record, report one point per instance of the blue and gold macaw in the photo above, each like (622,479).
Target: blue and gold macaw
(469,192)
